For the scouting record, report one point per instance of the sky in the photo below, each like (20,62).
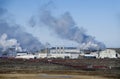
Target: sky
(100,18)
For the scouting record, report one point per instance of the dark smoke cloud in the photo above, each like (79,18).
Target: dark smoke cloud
(26,40)
(66,28)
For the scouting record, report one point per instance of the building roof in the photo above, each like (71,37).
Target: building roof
(22,52)
(64,47)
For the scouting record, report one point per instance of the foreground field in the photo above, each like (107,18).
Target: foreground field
(47,76)
(58,69)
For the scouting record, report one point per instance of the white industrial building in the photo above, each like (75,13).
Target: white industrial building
(60,52)
(41,55)
(89,55)
(68,52)
(108,53)
(24,55)
(64,52)
(74,53)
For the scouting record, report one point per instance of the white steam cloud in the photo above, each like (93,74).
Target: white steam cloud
(8,43)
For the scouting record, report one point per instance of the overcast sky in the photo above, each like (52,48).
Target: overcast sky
(100,18)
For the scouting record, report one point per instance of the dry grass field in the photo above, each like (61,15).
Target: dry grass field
(40,69)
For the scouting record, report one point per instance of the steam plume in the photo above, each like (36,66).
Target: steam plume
(10,30)
(7,43)
(26,40)
(66,28)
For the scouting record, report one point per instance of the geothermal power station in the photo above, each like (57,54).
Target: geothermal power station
(17,43)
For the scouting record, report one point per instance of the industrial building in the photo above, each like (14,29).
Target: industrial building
(41,55)
(62,52)
(109,53)
(24,55)
(74,53)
